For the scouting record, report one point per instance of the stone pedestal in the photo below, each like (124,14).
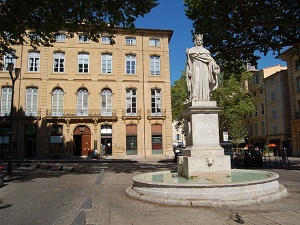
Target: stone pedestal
(203,156)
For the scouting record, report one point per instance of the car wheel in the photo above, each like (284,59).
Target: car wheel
(1,181)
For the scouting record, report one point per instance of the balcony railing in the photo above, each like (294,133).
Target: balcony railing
(32,113)
(80,112)
(5,111)
(156,113)
(131,113)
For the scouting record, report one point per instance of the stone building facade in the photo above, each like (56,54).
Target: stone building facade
(291,56)
(79,98)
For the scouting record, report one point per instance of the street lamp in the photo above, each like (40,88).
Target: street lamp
(11,133)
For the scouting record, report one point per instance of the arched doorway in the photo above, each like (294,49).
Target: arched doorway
(82,141)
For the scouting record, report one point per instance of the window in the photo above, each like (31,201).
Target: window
(131,140)
(155,102)
(255,79)
(61,38)
(298,84)
(250,129)
(33,61)
(255,110)
(274,130)
(105,40)
(298,65)
(154,42)
(6,95)
(263,129)
(262,109)
(59,62)
(156,132)
(8,58)
(83,63)
(83,39)
(255,129)
(57,102)
(177,137)
(130,64)
(31,102)
(82,102)
(130,41)
(274,114)
(106,103)
(131,102)
(106,63)
(261,91)
(154,65)
(273,97)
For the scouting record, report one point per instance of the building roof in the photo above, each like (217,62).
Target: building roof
(286,53)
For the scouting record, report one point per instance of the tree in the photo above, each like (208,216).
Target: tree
(236,103)
(179,95)
(235,29)
(39,21)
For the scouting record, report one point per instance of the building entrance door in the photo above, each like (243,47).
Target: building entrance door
(106,139)
(30,139)
(106,147)
(82,141)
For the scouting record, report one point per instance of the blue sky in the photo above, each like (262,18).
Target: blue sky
(169,14)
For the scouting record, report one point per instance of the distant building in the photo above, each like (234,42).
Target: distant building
(291,56)
(81,97)
(277,107)
(178,134)
(258,131)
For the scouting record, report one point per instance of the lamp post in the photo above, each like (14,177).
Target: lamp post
(11,133)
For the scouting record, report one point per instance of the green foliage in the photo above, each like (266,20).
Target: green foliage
(179,94)
(234,29)
(41,20)
(236,103)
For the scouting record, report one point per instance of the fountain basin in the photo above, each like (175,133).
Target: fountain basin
(243,187)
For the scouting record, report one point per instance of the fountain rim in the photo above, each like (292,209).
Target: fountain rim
(139,182)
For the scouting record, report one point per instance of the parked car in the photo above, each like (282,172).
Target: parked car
(180,145)
(1,176)
(177,152)
(248,157)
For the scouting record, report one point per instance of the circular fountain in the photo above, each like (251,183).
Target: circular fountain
(204,175)
(243,187)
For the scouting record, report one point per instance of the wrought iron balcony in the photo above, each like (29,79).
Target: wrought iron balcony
(31,113)
(80,113)
(131,113)
(5,111)
(158,113)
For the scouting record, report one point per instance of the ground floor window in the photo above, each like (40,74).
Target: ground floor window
(131,140)
(56,138)
(156,131)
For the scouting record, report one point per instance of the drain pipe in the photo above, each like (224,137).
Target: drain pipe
(144,102)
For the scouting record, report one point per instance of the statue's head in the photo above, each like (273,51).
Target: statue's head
(198,39)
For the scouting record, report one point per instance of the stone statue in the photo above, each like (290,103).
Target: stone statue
(201,71)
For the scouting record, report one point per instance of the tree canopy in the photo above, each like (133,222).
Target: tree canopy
(236,103)
(235,29)
(39,21)
(179,95)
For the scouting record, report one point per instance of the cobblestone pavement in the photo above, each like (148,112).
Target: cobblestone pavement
(94,194)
